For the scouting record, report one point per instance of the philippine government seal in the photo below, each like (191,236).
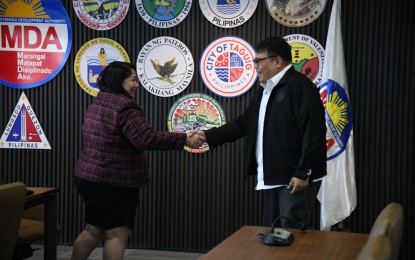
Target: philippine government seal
(226,66)
(308,56)
(338,117)
(92,58)
(228,13)
(195,111)
(295,13)
(101,14)
(165,66)
(163,13)
(36,39)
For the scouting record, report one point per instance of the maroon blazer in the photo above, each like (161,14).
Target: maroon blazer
(115,137)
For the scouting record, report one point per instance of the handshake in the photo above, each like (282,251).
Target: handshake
(195,138)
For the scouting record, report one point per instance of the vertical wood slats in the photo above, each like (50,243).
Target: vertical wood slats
(195,201)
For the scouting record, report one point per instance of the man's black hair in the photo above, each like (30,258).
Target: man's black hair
(275,46)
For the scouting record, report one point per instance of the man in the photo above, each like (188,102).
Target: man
(285,134)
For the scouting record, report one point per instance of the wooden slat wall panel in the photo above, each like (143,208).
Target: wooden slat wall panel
(196,201)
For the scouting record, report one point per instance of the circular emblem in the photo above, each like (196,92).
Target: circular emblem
(163,13)
(36,39)
(308,56)
(228,13)
(226,66)
(338,117)
(195,111)
(294,13)
(92,58)
(101,14)
(165,66)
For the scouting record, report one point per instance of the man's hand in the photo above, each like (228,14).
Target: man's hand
(195,138)
(298,184)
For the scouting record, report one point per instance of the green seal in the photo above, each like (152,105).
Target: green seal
(196,111)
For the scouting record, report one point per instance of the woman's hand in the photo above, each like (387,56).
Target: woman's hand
(195,138)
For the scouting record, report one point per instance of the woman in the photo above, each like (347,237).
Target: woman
(113,165)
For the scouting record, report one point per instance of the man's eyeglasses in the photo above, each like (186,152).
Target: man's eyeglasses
(257,61)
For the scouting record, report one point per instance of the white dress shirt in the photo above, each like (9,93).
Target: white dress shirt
(268,87)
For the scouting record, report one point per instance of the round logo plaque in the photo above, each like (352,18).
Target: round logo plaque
(228,13)
(101,15)
(165,66)
(195,111)
(308,56)
(294,13)
(163,13)
(36,39)
(92,58)
(226,66)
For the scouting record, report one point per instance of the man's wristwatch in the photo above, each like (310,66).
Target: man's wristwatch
(306,175)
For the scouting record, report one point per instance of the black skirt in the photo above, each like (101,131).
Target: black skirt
(107,206)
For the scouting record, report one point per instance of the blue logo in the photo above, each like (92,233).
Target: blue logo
(338,117)
(228,6)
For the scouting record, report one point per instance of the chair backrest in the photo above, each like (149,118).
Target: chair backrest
(12,199)
(378,248)
(390,223)
(1,177)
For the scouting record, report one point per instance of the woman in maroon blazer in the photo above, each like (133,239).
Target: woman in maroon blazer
(113,164)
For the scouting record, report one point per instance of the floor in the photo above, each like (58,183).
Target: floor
(64,253)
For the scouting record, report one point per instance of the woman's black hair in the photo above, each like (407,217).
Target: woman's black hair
(111,78)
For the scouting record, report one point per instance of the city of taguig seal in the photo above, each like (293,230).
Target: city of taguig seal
(226,66)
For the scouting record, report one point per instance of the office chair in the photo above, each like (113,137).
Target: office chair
(378,248)
(12,199)
(390,223)
(31,229)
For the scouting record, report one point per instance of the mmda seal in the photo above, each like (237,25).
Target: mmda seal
(36,39)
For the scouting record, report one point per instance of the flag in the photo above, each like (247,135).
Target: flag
(337,193)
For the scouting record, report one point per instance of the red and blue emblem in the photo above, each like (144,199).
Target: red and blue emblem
(23,131)
(226,66)
(36,38)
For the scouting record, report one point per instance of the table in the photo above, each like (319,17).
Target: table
(311,244)
(46,196)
